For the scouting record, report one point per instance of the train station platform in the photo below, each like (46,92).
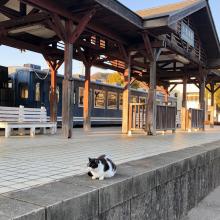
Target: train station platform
(26,162)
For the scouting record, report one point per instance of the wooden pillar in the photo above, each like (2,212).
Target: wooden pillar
(126,98)
(202,96)
(68,90)
(54,65)
(212,107)
(53,95)
(184,105)
(86,99)
(151,101)
(166,94)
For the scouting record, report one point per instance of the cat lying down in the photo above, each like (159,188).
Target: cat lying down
(101,167)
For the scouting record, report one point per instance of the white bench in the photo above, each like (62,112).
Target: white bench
(21,118)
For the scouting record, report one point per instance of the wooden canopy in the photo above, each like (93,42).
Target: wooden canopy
(155,45)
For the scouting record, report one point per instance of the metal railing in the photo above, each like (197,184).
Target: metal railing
(166,118)
(195,118)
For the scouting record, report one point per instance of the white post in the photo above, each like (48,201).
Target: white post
(43,117)
(21,113)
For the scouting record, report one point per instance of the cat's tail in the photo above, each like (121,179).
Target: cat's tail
(90,174)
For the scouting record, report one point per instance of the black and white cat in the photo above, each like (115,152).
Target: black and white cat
(101,167)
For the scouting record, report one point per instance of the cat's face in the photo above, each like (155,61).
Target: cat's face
(93,163)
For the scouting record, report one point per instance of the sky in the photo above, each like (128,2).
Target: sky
(14,57)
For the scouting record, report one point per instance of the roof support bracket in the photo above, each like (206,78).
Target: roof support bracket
(148,46)
(81,26)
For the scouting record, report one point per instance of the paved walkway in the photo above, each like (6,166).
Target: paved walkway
(26,161)
(208,209)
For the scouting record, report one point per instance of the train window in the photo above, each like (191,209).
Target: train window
(37,92)
(99,99)
(120,101)
(112,100)
(134,99)
(58,94)
(23,91)
(81,96)
(142,100)
(10,84)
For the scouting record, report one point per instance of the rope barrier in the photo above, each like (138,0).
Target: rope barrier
(39,77)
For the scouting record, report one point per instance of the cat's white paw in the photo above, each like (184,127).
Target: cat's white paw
(93,177)
(101,178)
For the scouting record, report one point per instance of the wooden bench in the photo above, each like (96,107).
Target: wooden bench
(21,118)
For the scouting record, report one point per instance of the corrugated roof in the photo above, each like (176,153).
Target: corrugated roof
(166,9)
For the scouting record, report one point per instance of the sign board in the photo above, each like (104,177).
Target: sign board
(187,34)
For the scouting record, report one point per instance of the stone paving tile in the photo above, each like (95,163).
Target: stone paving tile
(26,162)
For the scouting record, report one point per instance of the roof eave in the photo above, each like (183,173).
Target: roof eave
(122,11)
(179,15)
(213,27)
(214,63)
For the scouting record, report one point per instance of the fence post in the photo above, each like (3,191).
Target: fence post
(130,119)
(166,115)
(21,113)
(189,119)
(42,113)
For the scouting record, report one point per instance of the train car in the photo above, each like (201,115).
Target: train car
(6,91)
(33,90)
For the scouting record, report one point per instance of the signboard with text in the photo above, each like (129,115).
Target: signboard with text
(187,34)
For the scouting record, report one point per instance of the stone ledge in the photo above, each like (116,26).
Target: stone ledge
(161,182)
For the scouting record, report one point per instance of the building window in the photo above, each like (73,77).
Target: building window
(142,100)
(24,91)
(112,100)
(81,96)
(99,99)
(37,92)
(120,101)
(134,99)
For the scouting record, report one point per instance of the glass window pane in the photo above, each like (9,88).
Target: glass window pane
(81,95)
(134,99)
(120,101)
(99,99)
(37,92)
(142,100)
(23,91)
(112,100)
(58,94)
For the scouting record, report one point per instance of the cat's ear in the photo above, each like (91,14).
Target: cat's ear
(90,159)
(96,161)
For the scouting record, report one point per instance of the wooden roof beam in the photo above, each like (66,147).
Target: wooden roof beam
(19,44)
(82,25)
(148,46)
(3,2)
(214,63)
(53,7)
(8,12)
(24,20)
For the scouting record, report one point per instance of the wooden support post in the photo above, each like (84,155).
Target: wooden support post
(53,95)
(202,96)
(126,98)
(212,107)
(68,87)
(150,127)
(184,106)
(54,66)
(86,99)
(166,94)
